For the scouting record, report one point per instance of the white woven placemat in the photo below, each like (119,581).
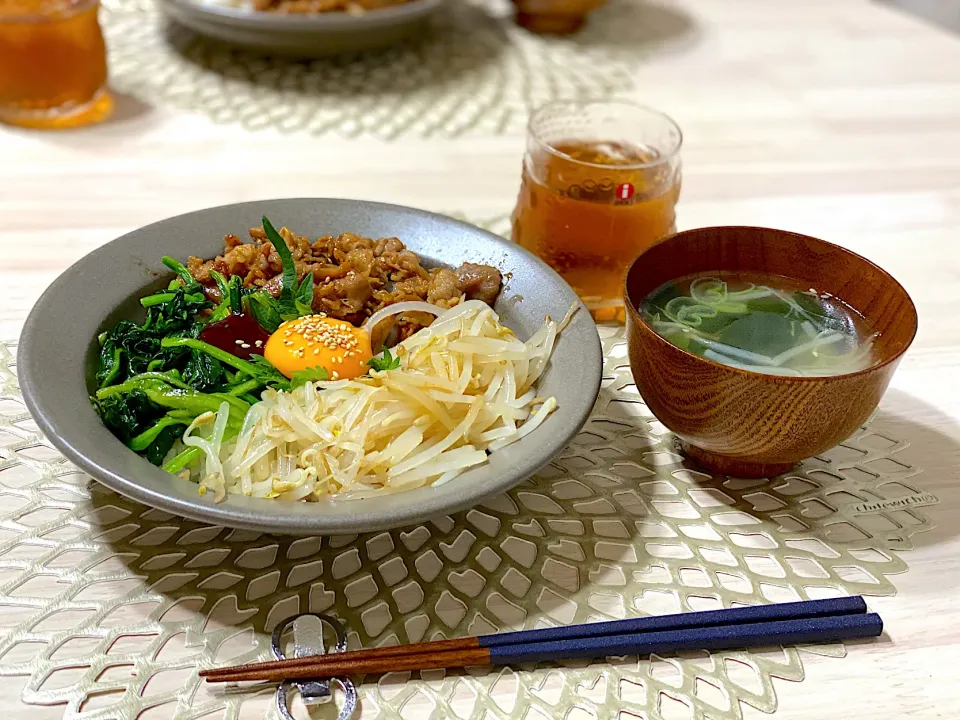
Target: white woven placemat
(111,607)
(476,72)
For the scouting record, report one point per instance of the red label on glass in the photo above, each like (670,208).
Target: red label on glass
(625,191)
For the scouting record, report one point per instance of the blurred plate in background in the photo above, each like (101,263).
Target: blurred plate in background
(304,35)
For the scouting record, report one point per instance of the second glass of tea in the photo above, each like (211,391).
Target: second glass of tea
(600,184)
(53,64)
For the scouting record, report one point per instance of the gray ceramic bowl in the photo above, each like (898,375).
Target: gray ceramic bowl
(58,354)
(303,35)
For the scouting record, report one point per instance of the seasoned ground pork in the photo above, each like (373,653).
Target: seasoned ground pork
(355,276)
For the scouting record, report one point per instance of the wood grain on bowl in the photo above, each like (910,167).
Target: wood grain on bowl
(745,423)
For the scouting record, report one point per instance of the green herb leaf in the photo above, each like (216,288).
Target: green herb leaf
(304,292)
(295,299)
(313,374)
(303,309)
(288,280)
(265,310)
(267,374)
(387,362)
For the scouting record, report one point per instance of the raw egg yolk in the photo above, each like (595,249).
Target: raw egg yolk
(319,341)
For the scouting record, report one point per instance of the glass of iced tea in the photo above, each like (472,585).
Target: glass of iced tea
(53,64)
(600,183)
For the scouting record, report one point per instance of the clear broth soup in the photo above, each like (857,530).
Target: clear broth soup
(762,323)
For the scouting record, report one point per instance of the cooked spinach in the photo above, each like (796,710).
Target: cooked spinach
(232,293)
(256,368)
(164,440)
(148,392)
(126,415)
(203,372)
(188,281)
(156,377)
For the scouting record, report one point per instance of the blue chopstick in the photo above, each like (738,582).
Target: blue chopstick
(778,632)
(679,621)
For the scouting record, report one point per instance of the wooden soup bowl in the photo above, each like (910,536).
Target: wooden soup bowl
(749,424)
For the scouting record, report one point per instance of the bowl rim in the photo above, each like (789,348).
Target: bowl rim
(634,313)
(254,513)
(260,20)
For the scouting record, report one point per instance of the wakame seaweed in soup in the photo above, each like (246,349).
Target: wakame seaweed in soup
(763,323)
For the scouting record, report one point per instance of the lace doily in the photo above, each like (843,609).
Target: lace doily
(111,607)
(475,72)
